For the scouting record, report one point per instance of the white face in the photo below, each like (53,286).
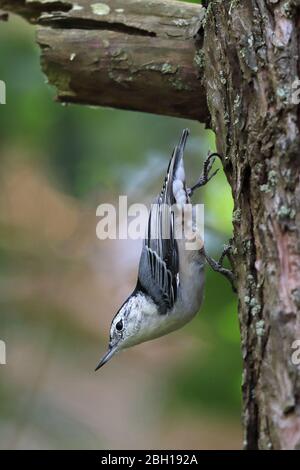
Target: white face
(131,325)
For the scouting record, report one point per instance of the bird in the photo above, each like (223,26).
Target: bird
(170,282)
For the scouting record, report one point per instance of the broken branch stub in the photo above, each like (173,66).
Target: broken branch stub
(138,55)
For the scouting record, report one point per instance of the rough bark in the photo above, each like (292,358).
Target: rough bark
(148,55)
(251,56)
(129,54)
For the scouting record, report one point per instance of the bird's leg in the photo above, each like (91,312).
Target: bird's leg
(215,265)
(218,265)
(205,176)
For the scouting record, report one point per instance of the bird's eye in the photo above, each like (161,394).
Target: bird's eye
(119,325)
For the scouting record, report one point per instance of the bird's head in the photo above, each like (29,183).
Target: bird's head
(130,326)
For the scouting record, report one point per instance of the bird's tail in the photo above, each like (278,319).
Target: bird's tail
(174,188)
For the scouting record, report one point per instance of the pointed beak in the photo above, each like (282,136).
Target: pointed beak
(107,356)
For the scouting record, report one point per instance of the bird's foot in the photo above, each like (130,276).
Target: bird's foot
(205,176)
(218,265)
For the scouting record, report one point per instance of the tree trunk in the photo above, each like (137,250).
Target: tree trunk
(248,52)
(251,56)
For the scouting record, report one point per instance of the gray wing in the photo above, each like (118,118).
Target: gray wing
(159,264)
(158,270)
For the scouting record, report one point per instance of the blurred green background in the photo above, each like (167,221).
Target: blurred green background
(60,285)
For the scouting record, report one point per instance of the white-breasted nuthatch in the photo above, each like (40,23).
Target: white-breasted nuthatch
(169,289)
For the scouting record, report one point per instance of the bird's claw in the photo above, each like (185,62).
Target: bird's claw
(205,176)
(218,265)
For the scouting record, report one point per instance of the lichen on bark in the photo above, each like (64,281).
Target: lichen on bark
(251,62)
